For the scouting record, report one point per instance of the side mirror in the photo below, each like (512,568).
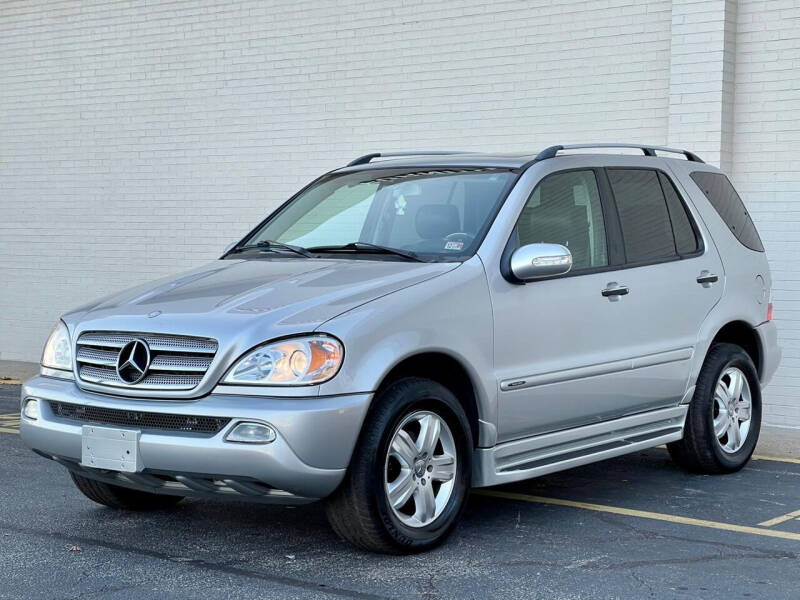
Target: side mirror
(535,261)
(229,247)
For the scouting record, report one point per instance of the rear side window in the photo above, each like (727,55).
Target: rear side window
(686,241)
(720,193)
(643,214)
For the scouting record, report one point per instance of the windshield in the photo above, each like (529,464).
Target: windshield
(433,214)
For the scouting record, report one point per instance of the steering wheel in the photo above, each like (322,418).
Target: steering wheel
(458,240)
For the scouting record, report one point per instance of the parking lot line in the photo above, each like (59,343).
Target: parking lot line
(9,423)
(795,461)
(642,514)
(787,517)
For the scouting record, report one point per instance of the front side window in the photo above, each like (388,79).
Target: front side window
(435,214)
(565,209)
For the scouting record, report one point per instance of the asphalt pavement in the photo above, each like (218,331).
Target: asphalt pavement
(632,527)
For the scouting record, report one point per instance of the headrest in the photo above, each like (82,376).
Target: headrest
(554,194)
(435,221)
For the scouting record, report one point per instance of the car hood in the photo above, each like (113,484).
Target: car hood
(257,298)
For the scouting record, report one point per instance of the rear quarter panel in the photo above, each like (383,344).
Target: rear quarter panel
(744,297)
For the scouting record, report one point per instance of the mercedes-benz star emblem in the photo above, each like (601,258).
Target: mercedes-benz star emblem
(133,361)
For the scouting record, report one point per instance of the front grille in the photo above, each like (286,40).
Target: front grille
(135,418)
(177,362)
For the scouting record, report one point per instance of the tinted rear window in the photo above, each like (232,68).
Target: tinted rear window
(729,205)
(643,215)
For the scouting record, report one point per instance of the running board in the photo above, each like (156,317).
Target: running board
(551,452)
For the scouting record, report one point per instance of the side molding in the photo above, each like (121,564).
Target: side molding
(629,364)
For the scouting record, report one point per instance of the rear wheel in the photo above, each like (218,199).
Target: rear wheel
(115,496)
(724,417)
(409,477)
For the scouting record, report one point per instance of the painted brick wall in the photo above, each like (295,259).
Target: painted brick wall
(138,138)
(701,77)
(766,170)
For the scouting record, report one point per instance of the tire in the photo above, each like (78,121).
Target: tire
(115,496)
(360,511)
(701,450)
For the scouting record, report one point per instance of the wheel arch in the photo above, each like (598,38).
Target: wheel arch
(745,336)
(446,370)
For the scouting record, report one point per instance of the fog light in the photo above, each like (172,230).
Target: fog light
(252,433)
(31,409)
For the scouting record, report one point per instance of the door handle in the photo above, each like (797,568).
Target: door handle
(614,290)
(706,278)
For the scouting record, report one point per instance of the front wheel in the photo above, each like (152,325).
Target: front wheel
(724,417)
(410,473)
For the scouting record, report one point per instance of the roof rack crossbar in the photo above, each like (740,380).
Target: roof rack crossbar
(648,150)
(363,160)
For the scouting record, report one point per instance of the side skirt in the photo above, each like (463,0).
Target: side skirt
(551,452)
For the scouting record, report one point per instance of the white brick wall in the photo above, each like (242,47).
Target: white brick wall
(701,77)
(138,138)
(766,169)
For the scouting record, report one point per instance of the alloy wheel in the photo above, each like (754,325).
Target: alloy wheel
(420,468)
(732,410)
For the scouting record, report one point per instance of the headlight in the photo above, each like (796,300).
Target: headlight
(58,350)
(298,361)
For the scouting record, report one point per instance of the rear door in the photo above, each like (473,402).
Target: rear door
(674,275)
(615,335)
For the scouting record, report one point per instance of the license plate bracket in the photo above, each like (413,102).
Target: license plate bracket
(111,449)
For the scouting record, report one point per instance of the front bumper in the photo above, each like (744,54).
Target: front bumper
(315,438)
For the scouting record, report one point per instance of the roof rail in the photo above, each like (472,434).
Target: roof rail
(552,151)
(363,160)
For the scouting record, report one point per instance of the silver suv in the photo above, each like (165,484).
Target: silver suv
(413,325)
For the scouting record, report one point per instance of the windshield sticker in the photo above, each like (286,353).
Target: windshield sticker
(454,245)
(400,206)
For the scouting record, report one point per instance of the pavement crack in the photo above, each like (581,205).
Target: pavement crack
(428,589)
(197,563)
(101,592)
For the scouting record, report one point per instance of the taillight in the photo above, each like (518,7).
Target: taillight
(769,311)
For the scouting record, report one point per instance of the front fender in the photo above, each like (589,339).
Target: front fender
(450,314)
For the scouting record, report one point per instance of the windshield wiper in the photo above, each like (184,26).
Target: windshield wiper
(367,247)
(274,246)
